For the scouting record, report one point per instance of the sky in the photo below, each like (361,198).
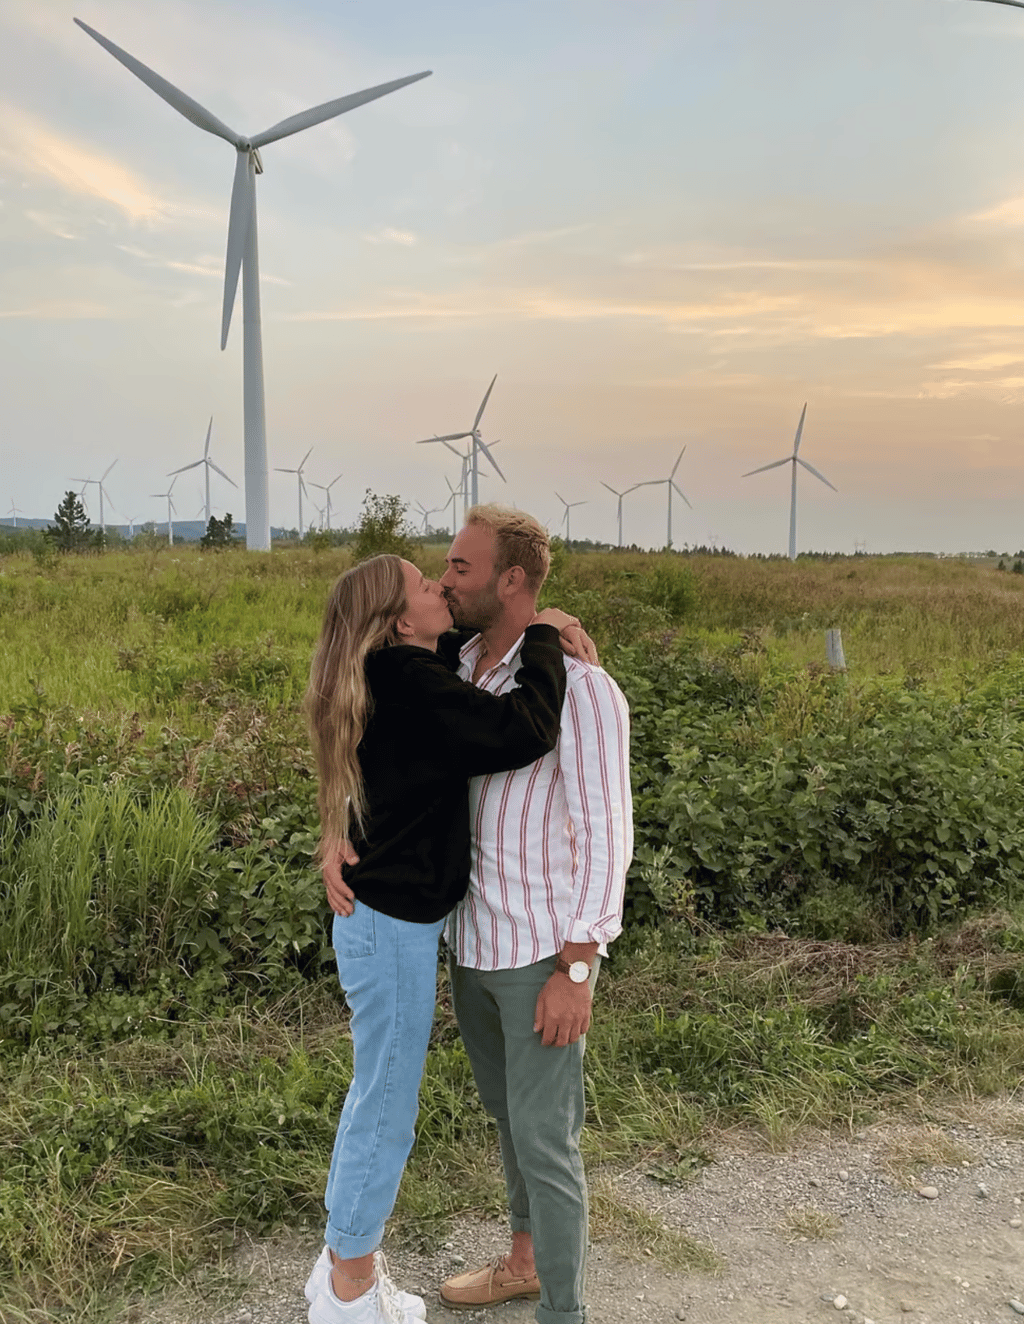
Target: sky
(661,223)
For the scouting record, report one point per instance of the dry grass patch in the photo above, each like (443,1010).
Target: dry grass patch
(639,1235)
(809,1223)
(907,1151)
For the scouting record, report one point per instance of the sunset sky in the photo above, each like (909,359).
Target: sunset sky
(660,222)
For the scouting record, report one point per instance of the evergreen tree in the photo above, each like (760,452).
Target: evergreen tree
(70,531)
(219,533)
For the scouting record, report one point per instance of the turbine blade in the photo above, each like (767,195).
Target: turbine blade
(800,429)
(184,105)
(611,489)
(765,467)
(676,465)
(448,436)
(107,470)
(328,109)
(278,470)
(220,471)
(682,493)
(562,499)
(811,469)
(333,481)
(483,405)
(184,467)
(1018,4)
(243,203)
(305,458)
(494,463)
(206,451)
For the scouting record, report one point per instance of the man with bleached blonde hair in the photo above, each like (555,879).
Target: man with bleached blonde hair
(550,847)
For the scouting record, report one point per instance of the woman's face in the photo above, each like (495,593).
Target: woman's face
(426,616)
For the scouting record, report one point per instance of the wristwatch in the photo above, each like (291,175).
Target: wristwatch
(578,972)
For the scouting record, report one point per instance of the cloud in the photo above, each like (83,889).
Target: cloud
(60,311)
(31,147)
(389,235)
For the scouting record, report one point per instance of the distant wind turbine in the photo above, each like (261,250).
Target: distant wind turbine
(569,505)
(326,487)
(671,483)
(15,512)
(131,525)
(427,514)
(103,492)
(170,510)
(207,464)
(456,492)
(302,483)
(477,447)
(620,495)
(242,255)
(794,460)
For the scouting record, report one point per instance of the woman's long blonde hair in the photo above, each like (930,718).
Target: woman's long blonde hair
(361,616)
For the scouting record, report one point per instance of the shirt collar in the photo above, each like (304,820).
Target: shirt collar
(470,651)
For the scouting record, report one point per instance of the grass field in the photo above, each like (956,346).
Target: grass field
(826,913)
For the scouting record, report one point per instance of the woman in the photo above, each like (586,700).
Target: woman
(397,735)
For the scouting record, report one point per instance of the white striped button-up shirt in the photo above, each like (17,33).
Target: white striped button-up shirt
(551,842)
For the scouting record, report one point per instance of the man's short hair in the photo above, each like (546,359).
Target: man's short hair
(518,540)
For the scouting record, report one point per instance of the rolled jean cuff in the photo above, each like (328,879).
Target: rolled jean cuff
(518,1224)
(348,1247)
(544,1316)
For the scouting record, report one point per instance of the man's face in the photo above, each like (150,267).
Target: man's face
(469,583)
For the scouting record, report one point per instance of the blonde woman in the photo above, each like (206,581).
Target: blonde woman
(397,735)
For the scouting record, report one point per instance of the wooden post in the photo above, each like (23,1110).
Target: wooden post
(834,650)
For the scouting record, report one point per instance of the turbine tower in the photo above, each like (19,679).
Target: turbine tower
(302,484)
(326,487)
(170,510)
(620,495)
(103,491)
(794,460)
(569,505)
(207,464)
(476,448)
(671,483)
(243,255)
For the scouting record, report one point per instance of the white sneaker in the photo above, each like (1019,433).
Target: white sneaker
(383,1302)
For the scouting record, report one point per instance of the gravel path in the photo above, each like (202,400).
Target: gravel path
(909,1221)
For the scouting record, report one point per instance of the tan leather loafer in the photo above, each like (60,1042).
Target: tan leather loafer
(488,1286)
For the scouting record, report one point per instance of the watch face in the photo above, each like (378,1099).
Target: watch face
(579,972)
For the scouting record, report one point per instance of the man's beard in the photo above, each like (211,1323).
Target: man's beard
(478,614)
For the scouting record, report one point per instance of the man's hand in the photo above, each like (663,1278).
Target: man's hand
(563,1011)
(339,894)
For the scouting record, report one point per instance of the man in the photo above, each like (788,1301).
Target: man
(551,844)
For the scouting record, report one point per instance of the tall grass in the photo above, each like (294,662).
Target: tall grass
(102,861)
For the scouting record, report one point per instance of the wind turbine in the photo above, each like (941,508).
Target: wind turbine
(476,448)
(302,483)
(103,492)
(456,492)
(427,514)
(794,460)
(170,510)
(207,464)
(243,255)
(15,512)
(620,495)
(569,505)
(131,526)
(326,487)
(670,481)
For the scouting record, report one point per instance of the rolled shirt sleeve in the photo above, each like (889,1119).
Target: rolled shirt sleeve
(594,763)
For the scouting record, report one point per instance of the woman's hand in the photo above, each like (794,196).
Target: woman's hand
(553,616)
(574,639)
(339,894)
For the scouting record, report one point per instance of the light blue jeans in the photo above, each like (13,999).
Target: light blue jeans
(388,970)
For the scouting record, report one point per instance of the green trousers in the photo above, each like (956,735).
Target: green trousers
(535,1095)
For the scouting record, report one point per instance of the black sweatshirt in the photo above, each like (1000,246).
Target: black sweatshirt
(429,732)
